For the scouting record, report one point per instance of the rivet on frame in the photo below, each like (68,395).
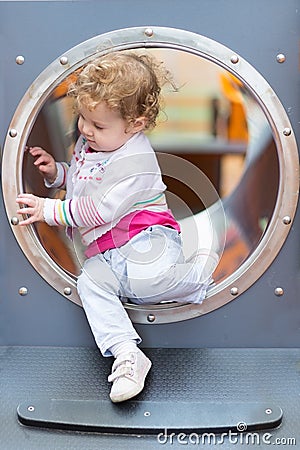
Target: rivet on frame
(286,220)
(234,291)
(234,59)
(67,291)
(151,318)
(20,60)
(13,133)
(280,58)
(23,291)
(287,131)
(63,60)
(14,220)
(278,291)
(149,32)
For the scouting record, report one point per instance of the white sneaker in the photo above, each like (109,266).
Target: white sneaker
(128,375)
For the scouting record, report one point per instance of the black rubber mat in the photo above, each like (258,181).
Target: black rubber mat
(269,376)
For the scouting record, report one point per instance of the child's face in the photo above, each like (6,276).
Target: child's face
(104,129)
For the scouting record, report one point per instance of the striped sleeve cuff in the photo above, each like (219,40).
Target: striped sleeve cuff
(72,212)
(59,212)
(60,181)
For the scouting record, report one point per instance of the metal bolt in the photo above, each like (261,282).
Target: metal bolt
(63,60)
(151,318)
(149,32)
(14,220)
(287,131)
(234,291)
(23,291)
(279,291)
(234,59)
(280,58)
(268,411)
(20,60)
(30,408)
(67,291)
(286,220)
(13,133)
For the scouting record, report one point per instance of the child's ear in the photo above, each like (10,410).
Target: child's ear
(139,124)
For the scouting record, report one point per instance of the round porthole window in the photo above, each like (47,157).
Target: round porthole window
(225,146)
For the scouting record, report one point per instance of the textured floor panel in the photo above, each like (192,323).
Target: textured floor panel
(222,375)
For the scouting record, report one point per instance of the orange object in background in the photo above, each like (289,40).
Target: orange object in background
(62,89)
(237,129)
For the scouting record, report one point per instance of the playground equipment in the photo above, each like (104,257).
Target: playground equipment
(230,361)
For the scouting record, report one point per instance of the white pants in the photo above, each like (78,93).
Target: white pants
(149,269)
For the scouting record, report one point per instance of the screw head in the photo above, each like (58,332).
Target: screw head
(13,132)
(279,291)
(287,131)
(64,60)
(67,291)
(234,59)
(23,291)
(286,220)
(149,32)
(280,58)
(234,291)
(268,411)
(151,318)
(14,220)
(20,60)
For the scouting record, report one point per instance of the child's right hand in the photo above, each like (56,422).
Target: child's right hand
(45,163)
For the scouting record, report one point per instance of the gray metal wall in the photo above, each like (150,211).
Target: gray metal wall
(257,30)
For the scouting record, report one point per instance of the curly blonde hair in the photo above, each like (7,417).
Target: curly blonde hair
(127,82)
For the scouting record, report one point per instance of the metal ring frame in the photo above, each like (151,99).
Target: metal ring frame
(155,37)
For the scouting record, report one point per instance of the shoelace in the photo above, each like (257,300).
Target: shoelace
(122,368)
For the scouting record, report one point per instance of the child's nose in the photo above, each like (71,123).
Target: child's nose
(87,129)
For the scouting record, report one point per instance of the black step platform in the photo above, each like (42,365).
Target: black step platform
(144,417)
(57,398)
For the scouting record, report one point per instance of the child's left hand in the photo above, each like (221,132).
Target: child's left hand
(34,207)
